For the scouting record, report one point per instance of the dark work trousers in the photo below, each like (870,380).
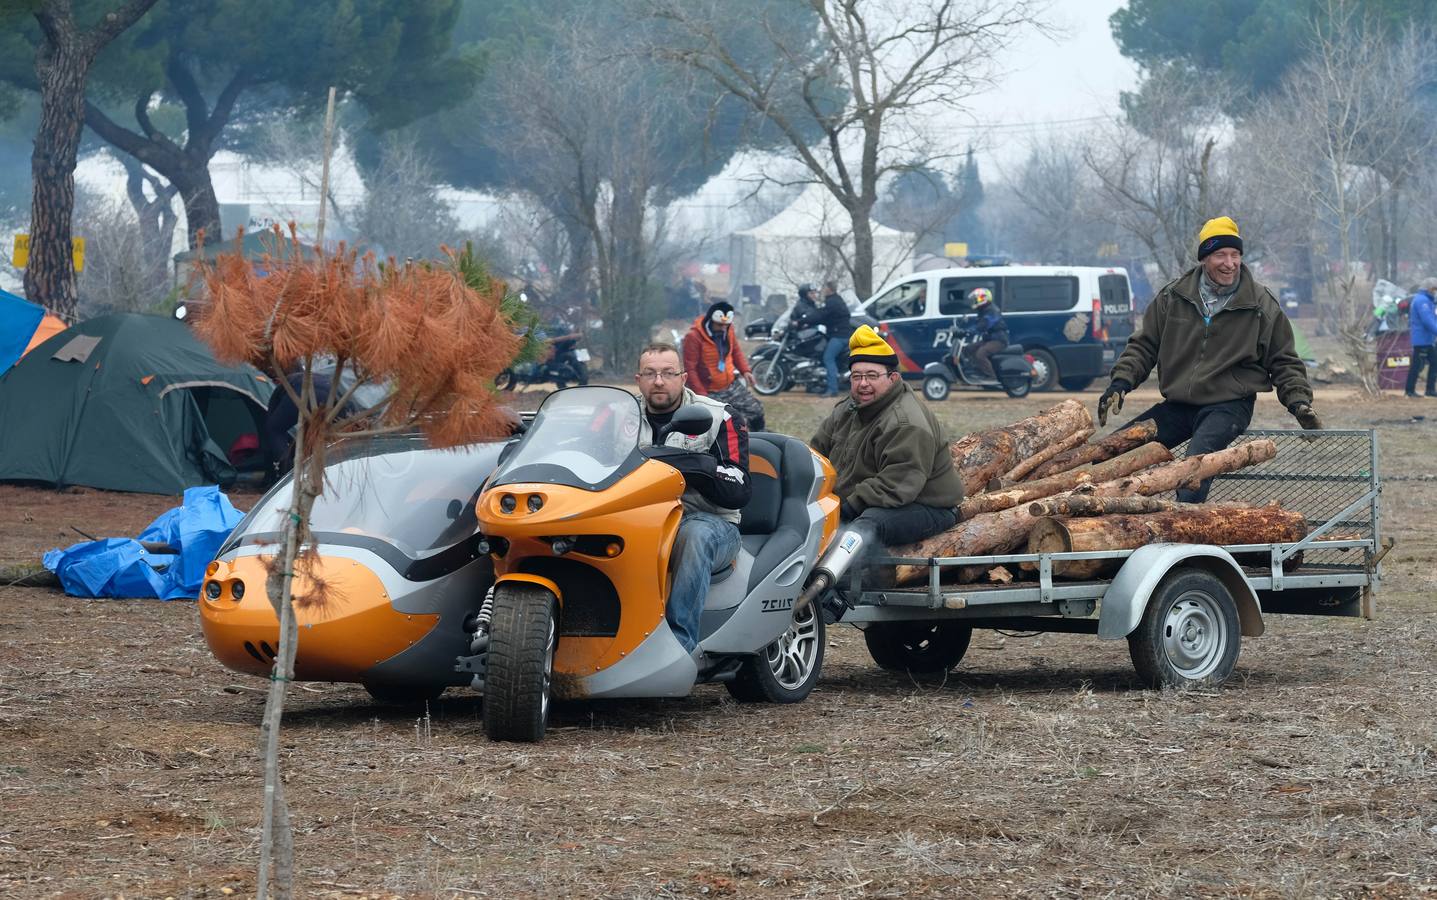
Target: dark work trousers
(1420,355)
(983,356)
(1205,428)
(883,528)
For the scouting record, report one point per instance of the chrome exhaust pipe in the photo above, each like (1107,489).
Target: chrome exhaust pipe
(838,559)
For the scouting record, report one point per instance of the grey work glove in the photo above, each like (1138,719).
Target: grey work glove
(1112,399)
(1305,417)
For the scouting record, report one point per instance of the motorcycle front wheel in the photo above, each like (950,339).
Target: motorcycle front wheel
(770,377)
(506,380)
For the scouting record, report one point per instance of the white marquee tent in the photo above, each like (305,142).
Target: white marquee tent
(801,244)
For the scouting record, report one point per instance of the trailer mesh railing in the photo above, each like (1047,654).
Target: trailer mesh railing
(1320,474)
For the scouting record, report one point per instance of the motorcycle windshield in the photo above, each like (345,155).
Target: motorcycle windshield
(584,437)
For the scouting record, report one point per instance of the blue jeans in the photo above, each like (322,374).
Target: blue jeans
(831,352)
(706,544)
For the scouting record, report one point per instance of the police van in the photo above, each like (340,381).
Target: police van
(1071,320)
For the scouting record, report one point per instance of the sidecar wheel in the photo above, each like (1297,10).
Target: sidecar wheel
(524,633)
(786,670)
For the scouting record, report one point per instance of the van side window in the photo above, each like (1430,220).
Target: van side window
(953,294)
(1048,293)
(906,301)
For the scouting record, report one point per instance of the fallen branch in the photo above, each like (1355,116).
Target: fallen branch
(1027,466)
(1115,444)
(1146,456)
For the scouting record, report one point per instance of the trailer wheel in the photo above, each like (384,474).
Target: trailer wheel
(1189,633)
(924,650)
(786,670)
(524,634)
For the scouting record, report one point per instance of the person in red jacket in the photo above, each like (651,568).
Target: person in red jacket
(716,366)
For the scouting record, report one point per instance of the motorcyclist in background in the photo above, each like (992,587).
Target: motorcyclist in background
(988,329)
(832,316)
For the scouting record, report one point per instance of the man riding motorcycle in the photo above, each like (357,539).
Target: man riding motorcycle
(988,328)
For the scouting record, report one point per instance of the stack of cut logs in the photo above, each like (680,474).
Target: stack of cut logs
(1039,486)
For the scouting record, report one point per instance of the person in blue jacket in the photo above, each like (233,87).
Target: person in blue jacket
(1423,322)
(988,328)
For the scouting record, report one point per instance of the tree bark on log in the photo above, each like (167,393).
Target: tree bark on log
(1115,444)
(1081,504)
(1026,466)
(1173,475)
(1199,525)
(1003,530)
(983,456)
(1151,454)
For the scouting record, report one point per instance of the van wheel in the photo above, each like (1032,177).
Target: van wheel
(1189,634)
(1075,384)
(786,670)
(1045,370)
(924,650)
(523,636)
(935,388)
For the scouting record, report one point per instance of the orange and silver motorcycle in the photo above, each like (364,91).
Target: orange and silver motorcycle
(581,523)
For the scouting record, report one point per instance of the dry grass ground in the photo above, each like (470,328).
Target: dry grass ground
(128,756)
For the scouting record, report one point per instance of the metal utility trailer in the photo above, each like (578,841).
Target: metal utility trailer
(1182,607)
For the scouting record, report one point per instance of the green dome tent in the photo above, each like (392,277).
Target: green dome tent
(126,402)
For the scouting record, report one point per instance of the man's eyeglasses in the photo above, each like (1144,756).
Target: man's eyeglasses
(874,377)
(651,375)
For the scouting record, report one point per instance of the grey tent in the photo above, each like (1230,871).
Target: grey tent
(127,402)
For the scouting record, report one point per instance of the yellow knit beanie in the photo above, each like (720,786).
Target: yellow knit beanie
(866,345)
(1216,234)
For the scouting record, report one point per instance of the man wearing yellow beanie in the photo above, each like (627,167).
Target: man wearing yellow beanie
(1217,338)
(896,478)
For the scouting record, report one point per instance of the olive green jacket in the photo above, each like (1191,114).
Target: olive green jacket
(889,453)
(1247,346)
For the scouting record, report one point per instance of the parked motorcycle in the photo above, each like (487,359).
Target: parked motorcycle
(568,365)
(1014,368)
(795,359)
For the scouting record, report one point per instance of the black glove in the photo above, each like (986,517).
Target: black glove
(1305,417)
(1112,399)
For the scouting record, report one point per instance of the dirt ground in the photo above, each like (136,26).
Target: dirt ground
(128,756)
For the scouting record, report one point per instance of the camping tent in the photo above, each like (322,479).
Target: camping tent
(23,325)
(802,243)
(126,402)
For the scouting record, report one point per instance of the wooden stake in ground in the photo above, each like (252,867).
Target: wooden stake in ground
(1194,525)
(1026,466)
(1115,444)
(985,455)
(1143,457)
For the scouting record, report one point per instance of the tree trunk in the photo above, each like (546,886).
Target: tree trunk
(1150,454)
(202,207)
(985,455)
(1115,444)
(1189,471)
(1079,504)
(1025,467)
(573,287)
(999,532)
(1199,525)
(62,68)
(863,251)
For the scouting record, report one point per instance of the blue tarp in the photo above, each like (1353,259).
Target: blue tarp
(121,567)
(18,320)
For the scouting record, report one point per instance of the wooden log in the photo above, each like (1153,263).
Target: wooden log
(1198,525)
(1189,471)
(1115,444)
(995,532)
(1026,466)
(985,455)
(1089,504)
(981,458)
(1144,457)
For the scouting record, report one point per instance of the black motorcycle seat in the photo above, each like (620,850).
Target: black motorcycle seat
(1013,348)
(775,520)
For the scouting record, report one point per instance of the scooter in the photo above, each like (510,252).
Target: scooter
(581,522)
(1013,368)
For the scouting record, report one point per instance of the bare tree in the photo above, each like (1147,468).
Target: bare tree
(882,70)
(1049,212)
(403,213)
(1159,169)
(1343,136)
(125,263)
